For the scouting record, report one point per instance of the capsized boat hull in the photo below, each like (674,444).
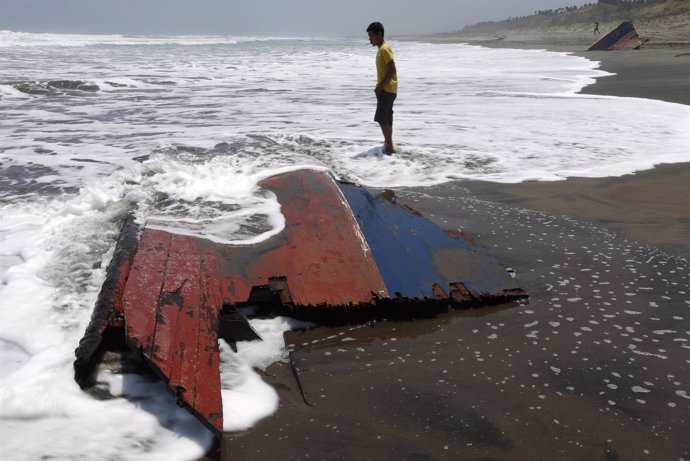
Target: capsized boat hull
(171,296)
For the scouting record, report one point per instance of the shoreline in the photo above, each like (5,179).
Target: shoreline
(659,69)
(649,205)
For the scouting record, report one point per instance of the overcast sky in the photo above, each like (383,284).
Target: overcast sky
(259,17)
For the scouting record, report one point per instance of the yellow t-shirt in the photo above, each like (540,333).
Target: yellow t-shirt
(383,57)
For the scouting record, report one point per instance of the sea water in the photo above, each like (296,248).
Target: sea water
(179,130)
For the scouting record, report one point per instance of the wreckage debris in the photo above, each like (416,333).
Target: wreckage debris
(342,252)
(623,37)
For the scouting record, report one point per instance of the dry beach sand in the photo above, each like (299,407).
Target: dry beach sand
(595,366)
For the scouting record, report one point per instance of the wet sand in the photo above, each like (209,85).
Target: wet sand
(651,206)
(595,366)
(653,72)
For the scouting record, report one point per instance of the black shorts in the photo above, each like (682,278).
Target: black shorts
(384,108)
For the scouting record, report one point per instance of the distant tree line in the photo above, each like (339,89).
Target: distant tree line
(603,11)
(627,2)
(558,11)
(568,9)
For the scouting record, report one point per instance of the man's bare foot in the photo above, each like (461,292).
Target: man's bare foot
(389,150)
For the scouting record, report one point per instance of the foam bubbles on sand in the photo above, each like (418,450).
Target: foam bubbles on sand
(610,342)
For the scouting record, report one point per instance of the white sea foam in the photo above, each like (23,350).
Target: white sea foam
(246,397)
(13,39)
(180,132)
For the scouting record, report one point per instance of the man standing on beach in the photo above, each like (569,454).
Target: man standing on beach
(596,28)
(386,84)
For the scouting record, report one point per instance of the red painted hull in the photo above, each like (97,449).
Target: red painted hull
(341,250)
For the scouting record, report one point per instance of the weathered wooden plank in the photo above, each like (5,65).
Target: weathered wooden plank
(179,333)
(176,321)
(207,398)
(143,289)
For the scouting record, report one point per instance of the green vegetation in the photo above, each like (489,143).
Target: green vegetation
(603,12)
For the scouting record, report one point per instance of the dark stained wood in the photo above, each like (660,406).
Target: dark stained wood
(144,288)
(104,329)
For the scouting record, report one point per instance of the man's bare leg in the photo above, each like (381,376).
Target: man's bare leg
(387,131)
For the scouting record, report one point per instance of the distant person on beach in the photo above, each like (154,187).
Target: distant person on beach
(386,84)
(596,28)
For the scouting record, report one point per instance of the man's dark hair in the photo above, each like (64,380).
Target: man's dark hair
(375,27)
